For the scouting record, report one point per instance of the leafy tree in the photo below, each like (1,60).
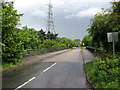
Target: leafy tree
(58,43)
(105,22)
(69,43)
(116,22)
(47,43)
(77,40)
(51,36)
(59,46)
(0,32)
(42,35)
(10,19)
(30,38)
(12,47)
(87,40)
(116,15)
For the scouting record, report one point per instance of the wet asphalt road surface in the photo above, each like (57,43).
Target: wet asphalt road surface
(62,71)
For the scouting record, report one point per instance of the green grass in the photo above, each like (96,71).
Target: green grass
(83,47)
(89,68)
(5,66)
(0,67)
(90,71)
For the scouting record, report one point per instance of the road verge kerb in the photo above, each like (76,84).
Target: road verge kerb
(91,86)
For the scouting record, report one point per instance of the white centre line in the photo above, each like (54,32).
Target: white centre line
(49,67)
(34,77)
(25,83)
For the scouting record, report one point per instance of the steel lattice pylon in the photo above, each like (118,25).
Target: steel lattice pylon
(50,22)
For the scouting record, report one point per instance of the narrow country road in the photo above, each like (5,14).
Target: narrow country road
(62,71)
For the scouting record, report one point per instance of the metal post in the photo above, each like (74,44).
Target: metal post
(113,43)
(113,37)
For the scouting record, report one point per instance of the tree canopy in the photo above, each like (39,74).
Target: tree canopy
(102,23)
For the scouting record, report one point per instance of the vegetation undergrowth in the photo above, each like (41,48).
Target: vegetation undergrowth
(83,47)
(104,72)
(5,66)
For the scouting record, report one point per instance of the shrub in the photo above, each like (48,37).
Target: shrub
(12,49)
(104,73)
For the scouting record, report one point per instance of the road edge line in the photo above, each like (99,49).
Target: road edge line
(86,71)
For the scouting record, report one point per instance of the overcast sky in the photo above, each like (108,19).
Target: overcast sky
(71,17)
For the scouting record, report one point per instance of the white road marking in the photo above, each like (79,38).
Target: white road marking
(34,77)
(49,67)
(25,83)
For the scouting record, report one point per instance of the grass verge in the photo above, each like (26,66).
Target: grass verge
(83,47)
(5,66)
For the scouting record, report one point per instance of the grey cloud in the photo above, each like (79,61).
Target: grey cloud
(35,16)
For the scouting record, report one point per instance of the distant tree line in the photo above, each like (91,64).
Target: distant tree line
(106,21)
(17,40)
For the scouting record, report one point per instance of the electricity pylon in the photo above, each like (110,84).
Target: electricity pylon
(50,22)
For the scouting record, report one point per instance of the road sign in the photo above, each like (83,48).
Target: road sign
(112,36)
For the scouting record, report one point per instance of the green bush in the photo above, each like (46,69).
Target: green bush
(104,73)
(47,43)
(59,45)
(12,49)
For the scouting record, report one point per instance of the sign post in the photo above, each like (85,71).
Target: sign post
(113,37)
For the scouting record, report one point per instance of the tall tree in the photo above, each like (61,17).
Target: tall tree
(87,40)
(42,35)
(30,38)
(107,21)
(12,47)
(10,19)
(51,36)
